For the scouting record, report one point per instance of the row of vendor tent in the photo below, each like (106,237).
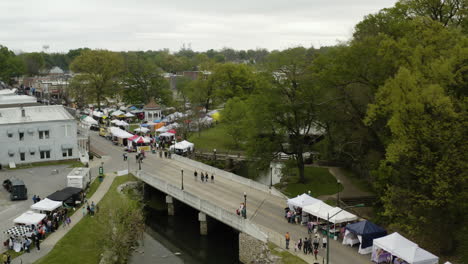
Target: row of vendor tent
(117,132)
(321,210)
(142,130)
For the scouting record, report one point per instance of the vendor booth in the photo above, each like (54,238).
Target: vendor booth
(318,209)
(46,205)
(68,195)
(162,129)
(301,201)
(89,121)
(16,234)
(396,249)
(29,218)
(338,215)
(142,143)
(119,136)
(182,148)
(142,130)
(363,232)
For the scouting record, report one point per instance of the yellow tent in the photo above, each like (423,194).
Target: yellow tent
(216,116)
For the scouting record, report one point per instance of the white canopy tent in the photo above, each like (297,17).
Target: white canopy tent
(142,130)
(129,115)
(114,121)
(98,114)
(162,129)
(166,134)
(46,205)
(89,121)
(183,146)
(117,113)
(121,123)
(400,247)
(29,218)
(341,217)
(117,132)
(318,209)
(301,201)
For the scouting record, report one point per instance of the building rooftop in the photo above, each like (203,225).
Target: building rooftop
(34,114)
(16,99)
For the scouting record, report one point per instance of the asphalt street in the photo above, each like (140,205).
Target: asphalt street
(262,208)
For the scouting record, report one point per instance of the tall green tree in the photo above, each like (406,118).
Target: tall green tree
(283,112)
(143,81)
(10,65)
(99,71)
(34,62)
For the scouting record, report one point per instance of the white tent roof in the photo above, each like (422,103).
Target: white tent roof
(46,205)
(141,129)
(318,209)
(166,134)
(98,114)
(342,216)
(399,246)
(129,115)
(183,145)
(89,120)
(117,132)
(301,201)
(114,121)
(121,123)
(29,218)
(162,129)
(117,113)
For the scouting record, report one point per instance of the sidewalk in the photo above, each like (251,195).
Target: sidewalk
(48,244)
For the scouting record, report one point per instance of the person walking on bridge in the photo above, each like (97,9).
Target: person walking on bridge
(195,173)
(287,237)
(212,178)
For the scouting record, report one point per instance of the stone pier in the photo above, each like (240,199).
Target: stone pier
(203,224)
(170,205)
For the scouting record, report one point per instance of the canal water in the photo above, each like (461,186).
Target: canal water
(176,239)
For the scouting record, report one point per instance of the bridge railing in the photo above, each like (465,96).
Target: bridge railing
(211,209)
(228,175)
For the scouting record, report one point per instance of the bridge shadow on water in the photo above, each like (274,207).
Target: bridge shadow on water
(181,233)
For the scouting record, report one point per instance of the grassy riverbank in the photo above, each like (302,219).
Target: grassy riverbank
(318,181)
(82,243)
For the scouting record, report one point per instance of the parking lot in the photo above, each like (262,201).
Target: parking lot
(41,181)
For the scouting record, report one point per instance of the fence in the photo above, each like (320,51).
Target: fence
(214,211)
(230,176)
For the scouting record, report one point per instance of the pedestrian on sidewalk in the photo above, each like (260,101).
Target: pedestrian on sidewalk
(316,242)
(212,178)
(83,210)
(287,237)
(27,244)
(5,258)
(37,242)
(38,199)
(195,173)
(202,177)
(324,242)
(34,198)
(68,221)
(315,253)
(295,247)
(299,244)
(305,246)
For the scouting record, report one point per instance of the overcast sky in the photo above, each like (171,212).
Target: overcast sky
(28,25)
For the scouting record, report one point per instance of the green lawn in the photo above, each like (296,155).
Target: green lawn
(81,244)
(214,138)
(360,183)
(319,182)
(93,187)
(71,163)
(286,257)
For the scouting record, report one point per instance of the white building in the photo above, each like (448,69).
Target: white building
(8,99)
(152,111)
(37,133)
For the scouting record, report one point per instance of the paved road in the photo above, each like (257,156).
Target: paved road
(262,208)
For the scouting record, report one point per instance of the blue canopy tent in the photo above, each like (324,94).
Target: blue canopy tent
(133,108)
(157,121)
(144,125)
(363,232)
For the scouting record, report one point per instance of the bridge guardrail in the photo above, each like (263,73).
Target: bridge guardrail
(228,175)
(225,216)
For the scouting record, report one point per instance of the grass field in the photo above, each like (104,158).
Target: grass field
(81,244)
(319,182)
(214,138)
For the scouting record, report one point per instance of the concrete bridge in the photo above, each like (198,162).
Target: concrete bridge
(219,200)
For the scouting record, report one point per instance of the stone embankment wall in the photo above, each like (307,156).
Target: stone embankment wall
(254,251)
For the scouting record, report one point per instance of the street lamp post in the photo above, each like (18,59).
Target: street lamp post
(182,175)
(328,227)
(338,194)
(271,176)
(245,205)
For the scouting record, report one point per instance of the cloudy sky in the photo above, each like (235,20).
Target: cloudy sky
(28,25)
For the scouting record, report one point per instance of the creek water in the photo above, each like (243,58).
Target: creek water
(176,239)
